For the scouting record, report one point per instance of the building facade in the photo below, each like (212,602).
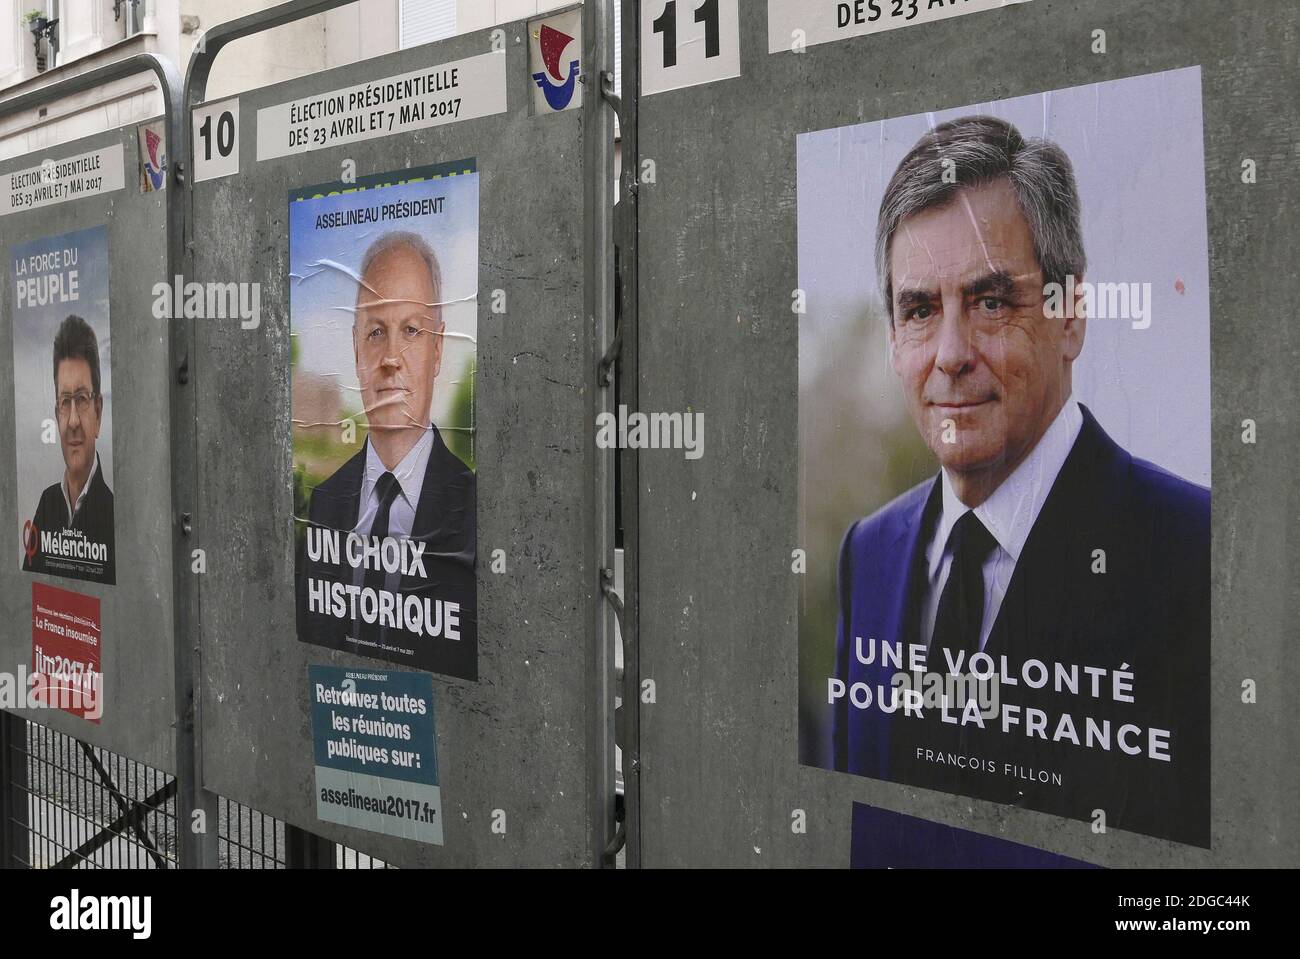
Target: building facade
(43,41)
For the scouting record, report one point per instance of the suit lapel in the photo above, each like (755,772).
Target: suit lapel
(353,479)
(909,591)
(904,584)
(430,515)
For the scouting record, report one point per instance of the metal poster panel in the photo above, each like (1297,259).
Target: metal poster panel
(86,471)
(1130,597)
(393,478)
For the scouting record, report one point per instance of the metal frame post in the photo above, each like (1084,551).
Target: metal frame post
(14,830)
(598,306)
(306,850)
(629,394)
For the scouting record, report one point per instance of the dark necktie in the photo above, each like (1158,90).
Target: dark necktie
(961,605)
(387,489)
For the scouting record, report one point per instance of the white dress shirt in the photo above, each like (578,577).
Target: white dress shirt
(81,497)
(1008,514)
(410,478)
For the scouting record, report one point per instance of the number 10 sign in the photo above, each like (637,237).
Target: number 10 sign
(688,42)
(215,139)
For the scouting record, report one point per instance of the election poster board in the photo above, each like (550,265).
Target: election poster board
(376,751)
(1004,429)
(63,404)
(383,305)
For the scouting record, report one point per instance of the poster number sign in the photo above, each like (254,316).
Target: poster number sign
(215,136)
(688,42)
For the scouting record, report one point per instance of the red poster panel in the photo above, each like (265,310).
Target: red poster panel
(66,651)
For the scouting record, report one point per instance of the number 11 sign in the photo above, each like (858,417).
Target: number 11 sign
(688,42)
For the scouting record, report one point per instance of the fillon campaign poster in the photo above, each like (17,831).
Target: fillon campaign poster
(384,311)
(63,403)
(1004,429)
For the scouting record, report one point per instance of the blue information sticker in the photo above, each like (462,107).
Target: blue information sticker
(376,751)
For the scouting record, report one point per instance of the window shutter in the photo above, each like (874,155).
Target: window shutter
(424,21)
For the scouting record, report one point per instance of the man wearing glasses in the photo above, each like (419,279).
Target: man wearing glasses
(72,531)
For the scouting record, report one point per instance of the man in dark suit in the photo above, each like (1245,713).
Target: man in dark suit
(74,517)
(387,566)
(1077,573)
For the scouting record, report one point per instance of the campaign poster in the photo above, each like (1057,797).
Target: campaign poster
(383,308)
(66,651)
(890,840)
(1004,430)
(376,752)
(63,406)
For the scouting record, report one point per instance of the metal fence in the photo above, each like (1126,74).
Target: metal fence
(70,805)
(83,807)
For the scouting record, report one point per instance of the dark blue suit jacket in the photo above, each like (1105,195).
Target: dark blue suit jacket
(1149,613)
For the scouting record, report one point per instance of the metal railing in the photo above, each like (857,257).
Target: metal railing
(86,807)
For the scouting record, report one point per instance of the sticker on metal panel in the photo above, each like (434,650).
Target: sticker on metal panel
(793,25)
(59,181)
(685,43)
(431,97)
(555,62)
(376,752)
(215,135)
(152,139)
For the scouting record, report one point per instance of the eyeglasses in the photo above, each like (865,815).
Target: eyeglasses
(81,400)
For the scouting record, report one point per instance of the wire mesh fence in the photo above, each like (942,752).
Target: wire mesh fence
(90,808)
(76,806)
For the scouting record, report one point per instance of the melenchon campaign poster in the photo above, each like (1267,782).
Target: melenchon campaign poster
(63,406)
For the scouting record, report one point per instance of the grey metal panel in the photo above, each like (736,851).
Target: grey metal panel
(718,601)
(518,739)
(137,658)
